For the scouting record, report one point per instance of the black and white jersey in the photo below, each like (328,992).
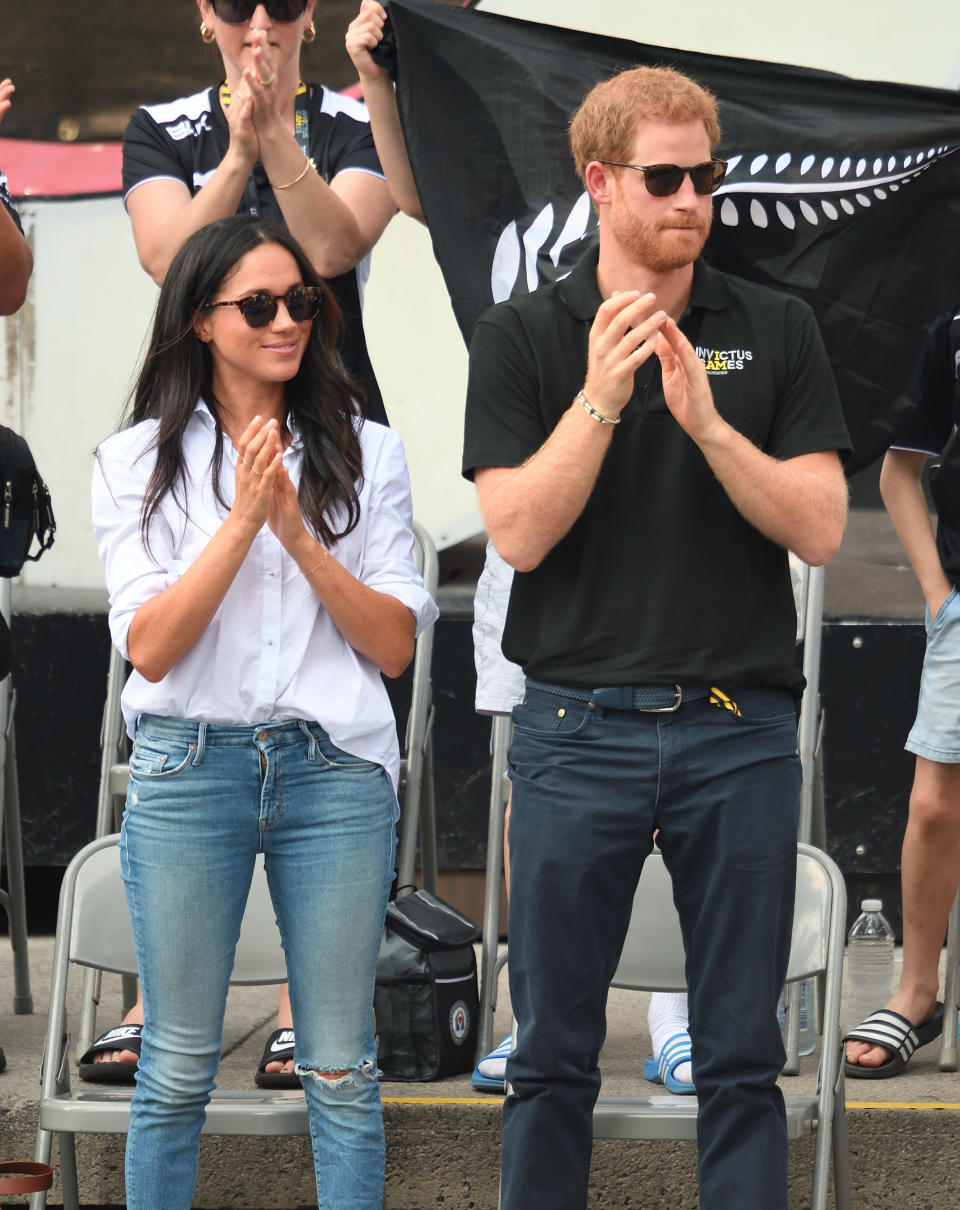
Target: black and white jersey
(185,140)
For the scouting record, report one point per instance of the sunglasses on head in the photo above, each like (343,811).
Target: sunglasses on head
(235,12)
(662,180)
(258,310)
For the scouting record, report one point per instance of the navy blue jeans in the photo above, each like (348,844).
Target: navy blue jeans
(590,785)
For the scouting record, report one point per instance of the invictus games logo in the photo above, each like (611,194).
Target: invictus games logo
(722,361)
(459,1022)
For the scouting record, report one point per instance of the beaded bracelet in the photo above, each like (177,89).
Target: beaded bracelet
(592,411)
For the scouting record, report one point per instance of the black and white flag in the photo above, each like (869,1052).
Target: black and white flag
(845,192)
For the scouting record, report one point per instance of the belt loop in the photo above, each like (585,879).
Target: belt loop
(311,738)
(201,743)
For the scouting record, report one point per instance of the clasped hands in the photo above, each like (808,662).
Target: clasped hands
(255,106)
(264,493)
(627,329)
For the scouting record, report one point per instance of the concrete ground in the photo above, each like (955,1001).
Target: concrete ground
(443,1138)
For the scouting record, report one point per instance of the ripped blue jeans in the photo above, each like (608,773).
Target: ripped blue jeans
(203,800)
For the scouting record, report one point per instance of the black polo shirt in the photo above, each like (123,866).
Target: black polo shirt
(185,140)
(932,429)
(660,579)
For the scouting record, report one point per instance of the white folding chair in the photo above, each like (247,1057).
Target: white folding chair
(93,930)
(653,960)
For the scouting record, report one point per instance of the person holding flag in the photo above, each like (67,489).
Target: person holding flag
(647,505)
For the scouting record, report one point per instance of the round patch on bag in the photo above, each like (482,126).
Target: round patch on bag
(459,1022)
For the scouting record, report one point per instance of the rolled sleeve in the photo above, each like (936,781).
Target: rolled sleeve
(133,575)
(387,563)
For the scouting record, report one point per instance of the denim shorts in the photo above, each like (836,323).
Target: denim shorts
(936,732)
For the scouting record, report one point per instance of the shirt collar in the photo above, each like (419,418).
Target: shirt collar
(581,294)
(202,411)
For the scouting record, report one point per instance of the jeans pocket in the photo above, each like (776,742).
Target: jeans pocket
(544,714)
(942,613)
(155,758)
(328,754)
(758,707)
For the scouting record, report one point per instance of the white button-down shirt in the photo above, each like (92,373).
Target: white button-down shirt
(271,652)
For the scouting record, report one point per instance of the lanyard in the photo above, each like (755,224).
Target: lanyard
(301,131)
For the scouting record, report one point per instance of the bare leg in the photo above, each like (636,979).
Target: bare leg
(930,866)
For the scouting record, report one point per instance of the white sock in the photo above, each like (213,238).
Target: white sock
(666,1017)
(494,1065)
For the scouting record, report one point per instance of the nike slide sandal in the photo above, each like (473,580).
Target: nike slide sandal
(279,1049)
(121,1037)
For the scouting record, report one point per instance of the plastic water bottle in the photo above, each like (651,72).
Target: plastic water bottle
(808,1026)
(869,962)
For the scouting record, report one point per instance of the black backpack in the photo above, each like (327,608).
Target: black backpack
(25,509)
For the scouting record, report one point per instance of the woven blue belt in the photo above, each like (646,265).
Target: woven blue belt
(655,698)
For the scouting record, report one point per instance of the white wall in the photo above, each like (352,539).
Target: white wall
(916,43)
(78,337)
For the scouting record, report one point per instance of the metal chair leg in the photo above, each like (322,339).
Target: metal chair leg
(68,1172)
(429,873)
(15,899)
(948,1039)
(842,1185)
(490,965)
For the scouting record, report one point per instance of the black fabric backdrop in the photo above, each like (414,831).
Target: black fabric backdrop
(845,192)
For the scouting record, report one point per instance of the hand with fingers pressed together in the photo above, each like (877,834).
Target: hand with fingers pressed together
(259,459)
(621,339)
(686,387)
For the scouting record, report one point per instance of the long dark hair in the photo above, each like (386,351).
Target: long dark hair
(321,398)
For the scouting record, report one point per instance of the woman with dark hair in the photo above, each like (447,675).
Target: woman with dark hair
(261,142)
(256,539)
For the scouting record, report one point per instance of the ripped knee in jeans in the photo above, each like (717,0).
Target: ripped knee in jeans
(341,1077)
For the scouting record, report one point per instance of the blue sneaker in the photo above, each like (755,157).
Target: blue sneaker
(490,1074)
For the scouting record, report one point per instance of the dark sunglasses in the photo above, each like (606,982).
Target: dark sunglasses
(235,12)
(662,180)
(258,310)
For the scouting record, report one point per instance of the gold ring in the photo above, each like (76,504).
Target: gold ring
(267,83)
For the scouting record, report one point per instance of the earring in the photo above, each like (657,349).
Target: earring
(310,33)
(206,35)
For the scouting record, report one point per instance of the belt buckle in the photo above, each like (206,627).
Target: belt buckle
(667,709)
